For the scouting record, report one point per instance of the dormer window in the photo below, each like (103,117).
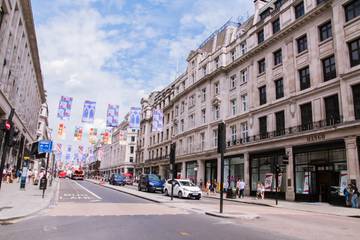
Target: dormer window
(264,14)
(278,4)
(204,70)
(216,62)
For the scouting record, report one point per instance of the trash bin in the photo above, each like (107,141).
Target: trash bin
(231,193)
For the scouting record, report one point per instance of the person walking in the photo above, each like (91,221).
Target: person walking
(207,187)
(238,187)
(258,190)
(346,192)
(262,191)
(355,197)
(242,188)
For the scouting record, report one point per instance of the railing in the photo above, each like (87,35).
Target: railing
(158,158)
(323,124)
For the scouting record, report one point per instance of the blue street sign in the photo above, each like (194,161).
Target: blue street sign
(45,146)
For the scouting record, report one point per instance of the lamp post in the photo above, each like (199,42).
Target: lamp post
(221,150)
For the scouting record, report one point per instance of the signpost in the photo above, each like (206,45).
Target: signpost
(45,146)
(221,150)
(172,167)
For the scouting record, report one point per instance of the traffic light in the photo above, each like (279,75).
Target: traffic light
(221,137)
(285,160)
(5,125)
(13,136)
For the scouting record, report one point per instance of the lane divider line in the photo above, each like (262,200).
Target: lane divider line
(88,190)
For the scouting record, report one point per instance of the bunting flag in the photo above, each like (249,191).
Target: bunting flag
(106,139)
(92,135)
(78,133)
(64,109)
(61,131)
(68,153)
(122,137)
(58,148)
(90,154)
(81,150)
(88,115)
(112,116)
(157,122)
(134,117)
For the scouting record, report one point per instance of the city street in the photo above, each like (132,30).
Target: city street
(89,211)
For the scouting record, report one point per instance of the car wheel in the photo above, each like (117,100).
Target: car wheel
(197,198)
(180,195)
(166,192)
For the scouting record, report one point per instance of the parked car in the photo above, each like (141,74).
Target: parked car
(150,183)
(183,188)
(129,181)
(117,179)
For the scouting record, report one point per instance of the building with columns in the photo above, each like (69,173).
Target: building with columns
(287,84)
(21,81)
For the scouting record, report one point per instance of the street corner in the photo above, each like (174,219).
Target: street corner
(233,215)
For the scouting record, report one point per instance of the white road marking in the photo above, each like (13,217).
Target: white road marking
(88,190)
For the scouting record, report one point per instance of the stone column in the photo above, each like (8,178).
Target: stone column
(352,159)
(162,171)
(200,171)
(183,170)
(218,169)
(247,173)
(290,192)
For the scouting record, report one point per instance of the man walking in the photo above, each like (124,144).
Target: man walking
(241,188)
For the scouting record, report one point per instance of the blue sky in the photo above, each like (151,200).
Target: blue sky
(117,51)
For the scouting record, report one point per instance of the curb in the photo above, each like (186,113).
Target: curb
(250,203)
(122,191)
(4,220)
(228,216)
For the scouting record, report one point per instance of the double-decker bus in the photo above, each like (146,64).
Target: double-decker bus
(77,174)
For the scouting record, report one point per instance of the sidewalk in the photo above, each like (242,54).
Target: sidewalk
(315,207)
(16,203)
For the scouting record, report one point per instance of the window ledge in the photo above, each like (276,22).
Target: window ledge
(352,21)
(325,41)
(232,88)
(261,74)
(277,66)
(302,53)
(244,83)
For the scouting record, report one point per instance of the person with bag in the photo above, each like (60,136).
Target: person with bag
(355,197)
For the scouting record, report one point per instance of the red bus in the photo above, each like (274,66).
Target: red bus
(77,175)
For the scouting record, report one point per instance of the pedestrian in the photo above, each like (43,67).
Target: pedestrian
(355,197)
(242,188)
(29,175)
(18,175)
(258,190)
(238,187)
(207,188)
(347,195)
(214,186)
(262,191)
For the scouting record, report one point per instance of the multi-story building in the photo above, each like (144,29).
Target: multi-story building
(119,156)
(287,84)
(21,82)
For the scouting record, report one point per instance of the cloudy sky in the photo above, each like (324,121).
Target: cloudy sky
(117,51)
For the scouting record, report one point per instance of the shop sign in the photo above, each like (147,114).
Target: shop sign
(316,138)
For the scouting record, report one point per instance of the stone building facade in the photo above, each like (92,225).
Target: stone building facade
(287,84)
(21,82)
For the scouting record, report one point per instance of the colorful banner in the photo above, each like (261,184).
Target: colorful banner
(64,109)
(157,121)
(78,133)
(92,135)
(306,183)
(134,118)
(81,150)
(61,131)
(112,116)
(106,139)
(68,153)
(268,181)
(91,154)
(58,148)
(88,115)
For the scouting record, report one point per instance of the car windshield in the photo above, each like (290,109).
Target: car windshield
(154,178)
(186,183)
(118,177)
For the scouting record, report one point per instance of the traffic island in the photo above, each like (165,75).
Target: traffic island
(243,216)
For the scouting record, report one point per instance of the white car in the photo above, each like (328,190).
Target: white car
(183,188)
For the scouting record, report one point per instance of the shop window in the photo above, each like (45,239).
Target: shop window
(280,123)
(276,25)
(263,127)
(354,52)
(356,100)
(301,44)
(306,116)
(325,31)
(352,10)
(332,110)
(233,170)
(304,76)
(279,88)
(299,10)
(191,173)
(329,68)
(262,95)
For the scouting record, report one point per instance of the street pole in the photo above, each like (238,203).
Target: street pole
(221,150)
(45,175)
(172,167)
(5,144)
(277,168)
(52,169)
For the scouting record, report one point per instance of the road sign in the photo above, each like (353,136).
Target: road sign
(45,146)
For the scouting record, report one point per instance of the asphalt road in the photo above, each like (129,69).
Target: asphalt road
(108,214)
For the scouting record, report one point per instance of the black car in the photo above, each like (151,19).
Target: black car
(150,183)
(117,179)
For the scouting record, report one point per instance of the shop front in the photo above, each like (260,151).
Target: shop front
(210,171)
(155,170)
(233,170)
(178,167)
(320,172)
(262,171)
(191,171)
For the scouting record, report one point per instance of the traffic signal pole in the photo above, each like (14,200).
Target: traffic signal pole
(172,167)
(5,142)
(221,150)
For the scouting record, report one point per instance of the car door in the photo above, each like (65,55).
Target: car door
(176,187)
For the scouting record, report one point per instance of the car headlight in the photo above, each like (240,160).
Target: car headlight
(151,184)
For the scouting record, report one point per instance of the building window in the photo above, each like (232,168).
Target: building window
(261,66)
(176,110)
(131,159)
(264,14)
(233,55)
(203,115)
(304,76)
(233,82)
(279,88)
(131,149)
(262,95)
(332,110)
(244,75)
(243,48)
(280,123)
(233,107)
(182,125)
(215,137)
(278,4)
(299,10)
(244,102)
(182,107)
(203,95)
(244,132)
(325,31)
(233,133)
(192,120)
(216,62)
(356,100)
(329,68)
(352,10)
(132,139)
(306,116)
(204,70)
(276,26)
(354,51)
(260,36)
(202,140)
(301,44)
(192,101)
(216,112)
(263,127)
(277,57)
(216,88)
